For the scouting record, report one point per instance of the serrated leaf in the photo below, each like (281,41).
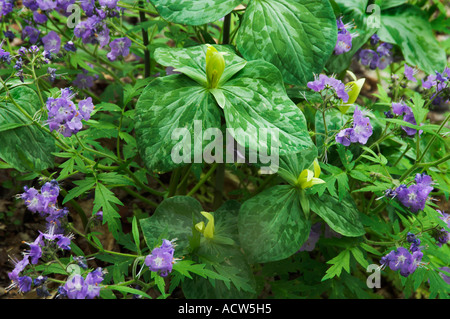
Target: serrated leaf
(341,261)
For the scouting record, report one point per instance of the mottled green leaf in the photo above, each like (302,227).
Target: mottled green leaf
(173,218)
(408,27)
(169,103)
(256,99)
(342,217)
(24,146)
(194,12)
(297,36)
(272,225)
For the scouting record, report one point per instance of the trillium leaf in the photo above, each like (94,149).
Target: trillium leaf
(192,61)
(272,225)
(194,12)
(167,104)
(409,28)
(173,218)
(297,36)
(341,216)
(256,99)
(24,146)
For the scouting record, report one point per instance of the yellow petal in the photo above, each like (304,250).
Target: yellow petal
(209,229)
(316,168)
(200,227)
(215,65)
(354,88)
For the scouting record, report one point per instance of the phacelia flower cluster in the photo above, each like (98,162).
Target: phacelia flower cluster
(415,196)
(161,259)
(64,116)
(379,56)
(407,261)
(344,38)
(78,287)
(43,202)
(440,82)
(359,133)
(326,85)
(401,109)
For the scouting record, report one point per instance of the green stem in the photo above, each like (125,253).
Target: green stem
(203,179)
(139,196)
(226,29)
(174,179)
(145,40)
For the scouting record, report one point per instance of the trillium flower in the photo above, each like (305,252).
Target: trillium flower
(308,178)
(208,230)
(215,65)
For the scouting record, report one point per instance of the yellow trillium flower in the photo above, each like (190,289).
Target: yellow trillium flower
(309,178)
(215,65)
(353,88)
(207,231)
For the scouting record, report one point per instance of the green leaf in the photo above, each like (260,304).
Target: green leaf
(106,201)
(173,218)
(24,146)
(342,217)
(408,27)
(272,225)
(359,256)
(82,187)
(230,263)
(194,12)
(341,261)
(135,232)
(256,99)
(192,61)
(170,103)
(297,37)
(126,289)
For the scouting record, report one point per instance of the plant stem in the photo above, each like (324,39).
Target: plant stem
(145,41)
(226,29)
(203,179)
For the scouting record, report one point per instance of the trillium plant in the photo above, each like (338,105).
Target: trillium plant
(224,149)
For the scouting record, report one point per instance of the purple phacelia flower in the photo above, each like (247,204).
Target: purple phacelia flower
(161,259)
(119,47)
(410,72)
(323,82)
(360,132)
(46,5)
(32,33)
(39,17)
(414,197)
(75,287)
(52,42)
